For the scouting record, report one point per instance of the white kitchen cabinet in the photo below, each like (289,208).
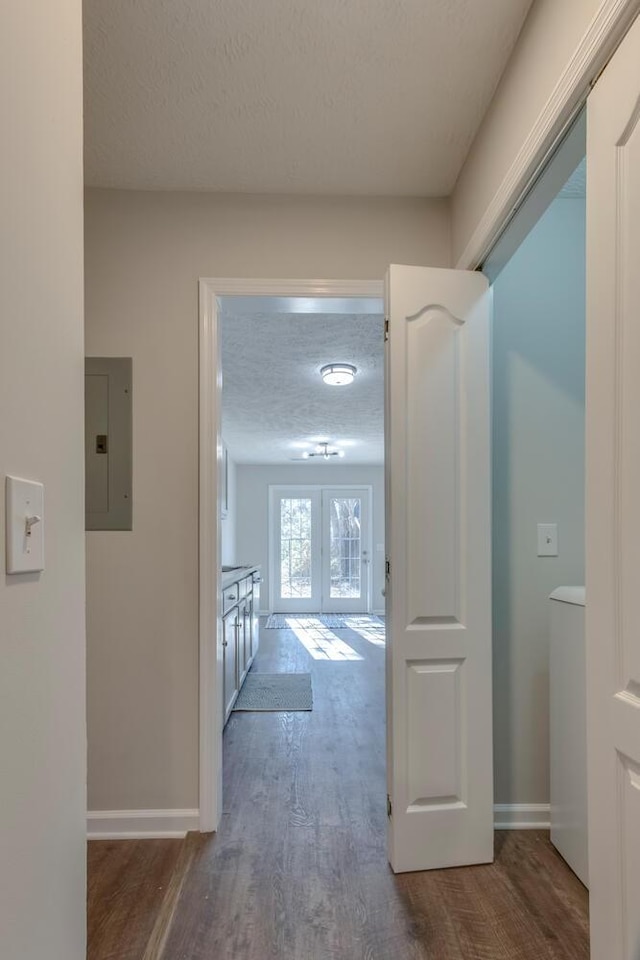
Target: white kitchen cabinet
(240,630)
(230,624)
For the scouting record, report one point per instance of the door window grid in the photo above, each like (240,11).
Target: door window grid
(295,548)
(346,536)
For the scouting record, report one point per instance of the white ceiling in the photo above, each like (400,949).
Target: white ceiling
(379,97)
(275,404)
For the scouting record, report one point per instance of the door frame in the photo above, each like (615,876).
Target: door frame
(277,488)
(209,532)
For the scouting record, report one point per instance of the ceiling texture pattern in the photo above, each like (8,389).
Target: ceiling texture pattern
(275,404)
(343,97)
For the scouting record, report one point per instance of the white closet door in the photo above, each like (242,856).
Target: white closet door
(613,504)
(440,771)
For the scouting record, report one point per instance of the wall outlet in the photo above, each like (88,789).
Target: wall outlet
(547,539)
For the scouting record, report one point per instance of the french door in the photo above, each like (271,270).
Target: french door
(321,552)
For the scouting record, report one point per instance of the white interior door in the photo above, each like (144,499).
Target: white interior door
(613,504)
(439,715)
(346,553)
(297,541)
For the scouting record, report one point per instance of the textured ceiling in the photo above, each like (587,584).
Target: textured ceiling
(290,96)
(275,404)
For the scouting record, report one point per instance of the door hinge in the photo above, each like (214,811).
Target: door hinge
(387,569)
(389,807)
(386,329)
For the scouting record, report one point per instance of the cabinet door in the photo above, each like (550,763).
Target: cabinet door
(242,643)
(230,664)
(255,616)
(247,631)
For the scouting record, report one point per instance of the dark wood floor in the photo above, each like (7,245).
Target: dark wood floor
(298,870)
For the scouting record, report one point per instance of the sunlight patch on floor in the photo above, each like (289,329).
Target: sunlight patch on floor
(321,642)
(368,629)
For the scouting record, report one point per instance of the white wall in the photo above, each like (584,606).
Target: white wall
(538,475)
(253,511)
(144,254)
(42,644)
(228,523)
(551,34)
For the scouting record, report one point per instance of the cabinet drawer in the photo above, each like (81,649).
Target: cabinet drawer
(245,586)
(230,597)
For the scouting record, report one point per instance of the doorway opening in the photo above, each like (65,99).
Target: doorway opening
(299,529)
(538,273)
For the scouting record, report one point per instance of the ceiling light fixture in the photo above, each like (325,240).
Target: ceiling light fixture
(322,450)
(338,374)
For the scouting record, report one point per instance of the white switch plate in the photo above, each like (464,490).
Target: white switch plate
(24,500)
(547,539)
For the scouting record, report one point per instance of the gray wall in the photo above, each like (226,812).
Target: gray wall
(253,511)
(538,475)
(144,254)
(42,635)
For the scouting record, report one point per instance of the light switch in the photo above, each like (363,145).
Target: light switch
(547,539)
(24,525)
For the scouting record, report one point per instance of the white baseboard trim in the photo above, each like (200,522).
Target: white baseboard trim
(521,816)
(379,613)
(141,824)
(175,824)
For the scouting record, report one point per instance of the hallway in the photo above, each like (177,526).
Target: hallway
(298,870)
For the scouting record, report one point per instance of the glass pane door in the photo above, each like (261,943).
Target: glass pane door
(320,550)
(297,551)
(295,548)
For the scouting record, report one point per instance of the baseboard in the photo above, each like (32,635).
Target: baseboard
(175,824)
(521,816)
(141,824)
(379,613)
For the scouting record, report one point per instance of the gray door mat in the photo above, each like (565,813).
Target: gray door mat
(275,692)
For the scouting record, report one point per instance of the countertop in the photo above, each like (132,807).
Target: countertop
(233,576)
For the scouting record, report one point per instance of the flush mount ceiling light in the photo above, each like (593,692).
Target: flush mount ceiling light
(338,374)
(323,450)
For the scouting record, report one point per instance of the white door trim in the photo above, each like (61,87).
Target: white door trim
(603,35)
(210,454)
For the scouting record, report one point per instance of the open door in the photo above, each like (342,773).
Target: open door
(437,435)
(613,504)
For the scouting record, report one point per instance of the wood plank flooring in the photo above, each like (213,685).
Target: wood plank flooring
(298,870)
